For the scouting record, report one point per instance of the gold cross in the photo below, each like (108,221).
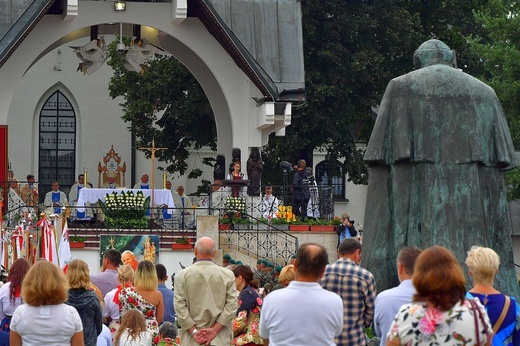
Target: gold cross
(153,149)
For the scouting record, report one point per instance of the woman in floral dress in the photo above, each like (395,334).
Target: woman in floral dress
(144,297)
(439,314)
(247,320)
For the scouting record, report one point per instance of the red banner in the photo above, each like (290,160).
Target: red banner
(3,163)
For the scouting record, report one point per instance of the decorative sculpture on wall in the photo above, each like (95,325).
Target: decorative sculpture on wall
(139,53)
(219,170)
(93,55)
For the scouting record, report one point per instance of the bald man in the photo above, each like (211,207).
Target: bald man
(209,291)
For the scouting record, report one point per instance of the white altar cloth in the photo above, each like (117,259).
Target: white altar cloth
(93,195)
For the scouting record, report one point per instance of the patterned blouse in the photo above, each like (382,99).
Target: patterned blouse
(129,299)
(247,321)
(415,324)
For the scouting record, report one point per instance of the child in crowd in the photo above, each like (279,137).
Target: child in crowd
(132,331)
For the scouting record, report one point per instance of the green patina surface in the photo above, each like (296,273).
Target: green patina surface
(436,159)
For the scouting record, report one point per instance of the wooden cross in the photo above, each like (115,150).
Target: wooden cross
(153,149)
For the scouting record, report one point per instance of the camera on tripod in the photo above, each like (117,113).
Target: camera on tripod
(286,166)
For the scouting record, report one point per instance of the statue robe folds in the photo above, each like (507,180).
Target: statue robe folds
(436,159)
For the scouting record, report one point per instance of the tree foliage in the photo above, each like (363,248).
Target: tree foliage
(499,52)
(166,104)
(352,50)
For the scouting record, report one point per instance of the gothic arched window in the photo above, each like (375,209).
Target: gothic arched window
(57,143)
(332,177)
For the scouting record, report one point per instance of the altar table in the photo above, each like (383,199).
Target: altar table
(93,195)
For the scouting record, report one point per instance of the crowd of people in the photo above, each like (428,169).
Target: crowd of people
(307,302)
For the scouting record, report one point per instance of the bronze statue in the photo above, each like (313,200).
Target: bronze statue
(255,166)
(436,159)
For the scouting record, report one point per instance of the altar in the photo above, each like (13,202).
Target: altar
(160,197)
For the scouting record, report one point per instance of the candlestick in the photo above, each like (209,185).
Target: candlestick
(85,184)
(164,180)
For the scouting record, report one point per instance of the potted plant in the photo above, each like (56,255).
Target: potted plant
(77,242)
(321,226)
(280,223)
(224,223)
(182,244)
(299,226)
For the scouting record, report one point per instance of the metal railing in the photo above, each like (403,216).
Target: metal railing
(258,239)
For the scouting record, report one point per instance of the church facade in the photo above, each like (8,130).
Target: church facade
(58,122)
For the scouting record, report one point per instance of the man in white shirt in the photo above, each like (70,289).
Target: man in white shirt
(303,313)
(388,302)
(143,184)
(269,204)
(14,202)
(111,182)
(55,199)
(73,198)
(182,208)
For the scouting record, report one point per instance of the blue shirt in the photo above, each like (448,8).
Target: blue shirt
(169,311)
(387,305)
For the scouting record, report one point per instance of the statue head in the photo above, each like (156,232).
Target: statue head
(433,52)
(255,153)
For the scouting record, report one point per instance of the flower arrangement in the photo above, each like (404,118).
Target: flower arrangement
(125,209)
(235,204)
(285,213)
(235,208)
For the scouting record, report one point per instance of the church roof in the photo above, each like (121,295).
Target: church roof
(12,32)
(263,37)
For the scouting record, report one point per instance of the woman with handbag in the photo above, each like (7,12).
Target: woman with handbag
(439,313)
(503,311)
(247,320)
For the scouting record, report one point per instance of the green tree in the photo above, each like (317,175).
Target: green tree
(499,52)
(352,50)
(166,104)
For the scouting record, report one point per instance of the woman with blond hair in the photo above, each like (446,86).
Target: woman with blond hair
(85,300)
(286,275)
(503,311)
(133,331)
(144,296)
(439,313)
(44,319)
(125,276)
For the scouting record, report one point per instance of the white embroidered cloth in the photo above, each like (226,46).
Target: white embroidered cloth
(160,197)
